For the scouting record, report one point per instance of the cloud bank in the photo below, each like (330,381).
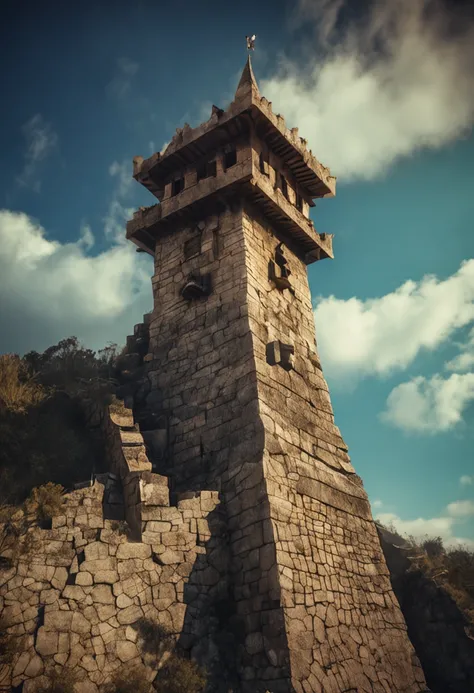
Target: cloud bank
(433,405)
(446,526)
(52,290)
(381,335)
(400,80)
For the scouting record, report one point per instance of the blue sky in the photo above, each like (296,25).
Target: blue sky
(386,101)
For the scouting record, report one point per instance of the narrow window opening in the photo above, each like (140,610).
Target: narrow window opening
(206,170)
(201,172)
(284,185)
(230,159)
(177,186)
(211,169)
(299,202)
(263,163)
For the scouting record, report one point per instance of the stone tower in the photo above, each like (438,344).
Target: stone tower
(238,399)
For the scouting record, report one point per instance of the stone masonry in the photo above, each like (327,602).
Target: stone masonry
(76,599)
(233,376)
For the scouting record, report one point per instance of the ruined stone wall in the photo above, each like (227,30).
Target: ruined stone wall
(345,629)
(77,598)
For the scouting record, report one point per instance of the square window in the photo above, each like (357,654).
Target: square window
(206,170)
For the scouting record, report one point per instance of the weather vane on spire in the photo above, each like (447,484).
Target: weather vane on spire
(251,42)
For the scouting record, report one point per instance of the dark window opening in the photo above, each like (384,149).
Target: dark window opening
(263,163)
(206,170)
(211,169)
(230,159)
(192,247)
(299,202)
(284,186)
(177,186)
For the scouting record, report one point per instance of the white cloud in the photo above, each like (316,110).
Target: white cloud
(462,508)
(378,336)
(52,290)
(377,504)
(119,87)
(41,140)
(446,526)
(118,214)
(398,81)
(466,480)
(432,405)
(464,361)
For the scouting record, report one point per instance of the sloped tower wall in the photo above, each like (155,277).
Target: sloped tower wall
(235,379)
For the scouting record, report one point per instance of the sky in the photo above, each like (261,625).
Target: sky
(384,94)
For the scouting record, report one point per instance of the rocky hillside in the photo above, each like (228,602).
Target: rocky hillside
(435,589)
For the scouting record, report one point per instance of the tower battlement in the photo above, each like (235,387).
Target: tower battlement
(245,150)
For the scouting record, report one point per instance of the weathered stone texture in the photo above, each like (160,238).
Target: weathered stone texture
(344,626)
(83,613)
(309,583)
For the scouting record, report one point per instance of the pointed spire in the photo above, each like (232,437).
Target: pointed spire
(247,80)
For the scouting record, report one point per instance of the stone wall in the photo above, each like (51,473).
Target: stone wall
(208,396)
(309,585)
(344,626)
(77,598)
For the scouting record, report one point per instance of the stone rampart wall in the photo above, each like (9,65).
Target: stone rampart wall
(76,599)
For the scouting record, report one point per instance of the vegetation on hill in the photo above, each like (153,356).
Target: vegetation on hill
(451,568)
(42,428)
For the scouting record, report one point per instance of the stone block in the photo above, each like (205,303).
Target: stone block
(99,564)
(126,650)
(73,592)
(60,621)
(96,550)
(133,550)
(106,576)
(102,594)
(46,642)
(84,578)
(79,624)
(129,615)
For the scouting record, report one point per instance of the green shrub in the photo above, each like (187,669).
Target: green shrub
(460,567)
(19,390)
(45,501)
(58,681)
(433,547)
(128,680)
(71,368)
(120,526)
(42,427)
(180,675)
(15,539)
